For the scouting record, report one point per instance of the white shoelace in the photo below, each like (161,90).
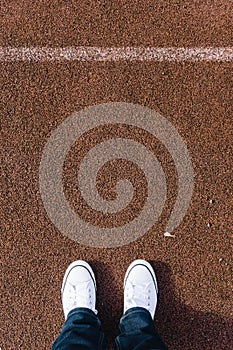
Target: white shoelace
(138,295)
(79,295)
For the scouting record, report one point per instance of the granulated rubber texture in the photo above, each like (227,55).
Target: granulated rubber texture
(194,267)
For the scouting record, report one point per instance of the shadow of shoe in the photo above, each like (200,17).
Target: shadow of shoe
(109,301)
(182,327)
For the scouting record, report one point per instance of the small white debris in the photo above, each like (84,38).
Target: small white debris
(221,259)
(211,201)
(168,234)
(209,224)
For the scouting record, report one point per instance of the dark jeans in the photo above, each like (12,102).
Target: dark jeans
(82,330)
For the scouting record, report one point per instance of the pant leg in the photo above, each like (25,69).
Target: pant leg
(137,331)
(81,331)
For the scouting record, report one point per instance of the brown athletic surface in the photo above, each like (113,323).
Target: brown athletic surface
(194,269)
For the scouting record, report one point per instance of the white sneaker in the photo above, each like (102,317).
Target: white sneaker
(140,287)
(78,287)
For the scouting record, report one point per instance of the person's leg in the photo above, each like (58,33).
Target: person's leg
(82,329)
(136,329)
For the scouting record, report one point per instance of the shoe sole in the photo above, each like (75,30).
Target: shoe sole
(142,263)
(75,264)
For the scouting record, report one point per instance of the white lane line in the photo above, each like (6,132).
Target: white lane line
(82,53)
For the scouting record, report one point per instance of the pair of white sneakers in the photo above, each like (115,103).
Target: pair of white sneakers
(79,287)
